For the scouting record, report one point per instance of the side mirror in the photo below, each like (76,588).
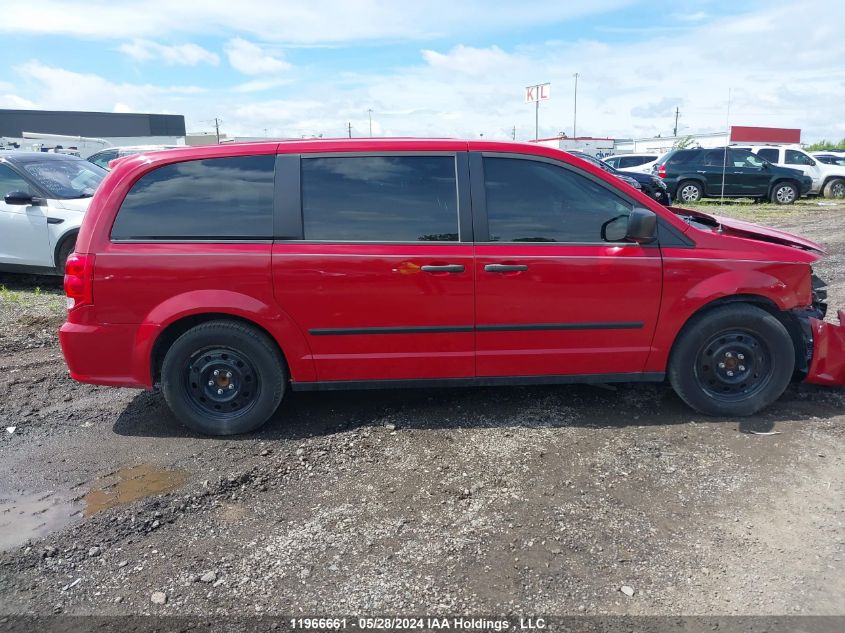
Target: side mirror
(642,226)
(18,197)
(765,165)
(812,163)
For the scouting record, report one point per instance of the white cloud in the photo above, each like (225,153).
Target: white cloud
(627,88)
(179,54)
(250,59)
(60,89)
(292,21)
(15,102)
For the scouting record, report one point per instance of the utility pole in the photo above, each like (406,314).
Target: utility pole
(370,114)
(677,113)
(575,110)
(349,127)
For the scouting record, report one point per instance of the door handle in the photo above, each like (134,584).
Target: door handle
(505,268)
(443,268)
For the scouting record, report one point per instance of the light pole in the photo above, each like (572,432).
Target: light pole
(370,114)
(575,110)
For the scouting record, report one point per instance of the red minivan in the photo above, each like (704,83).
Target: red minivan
(230,274)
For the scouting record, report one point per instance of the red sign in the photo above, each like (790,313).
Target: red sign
(743,134)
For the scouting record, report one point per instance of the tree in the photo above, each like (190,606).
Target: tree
(825,144)
(683,142)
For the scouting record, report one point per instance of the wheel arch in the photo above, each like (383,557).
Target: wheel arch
(789,320)
(787,179)
(71,234)
(693,178)
(174,330)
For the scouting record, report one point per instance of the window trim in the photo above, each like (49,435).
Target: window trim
(479,200)
(291,223)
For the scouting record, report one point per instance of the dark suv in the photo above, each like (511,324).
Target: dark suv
(692,174)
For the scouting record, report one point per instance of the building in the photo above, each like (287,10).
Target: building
(88,132)
(601,147)
(594,146)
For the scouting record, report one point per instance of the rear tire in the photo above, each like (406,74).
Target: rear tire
(835,189)
(732,361)
(65,249)
(223,378)
(689,191)
(784,193)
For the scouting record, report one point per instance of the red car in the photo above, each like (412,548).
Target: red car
(231,274)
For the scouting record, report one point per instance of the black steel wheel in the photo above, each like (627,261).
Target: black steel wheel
(733,365)
(223,378)
(732,360)
(220,380)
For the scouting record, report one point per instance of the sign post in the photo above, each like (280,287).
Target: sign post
(536,94)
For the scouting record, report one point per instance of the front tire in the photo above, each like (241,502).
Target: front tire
(223,378)
(732,361)
(835,189)
(689,191)
(784,193)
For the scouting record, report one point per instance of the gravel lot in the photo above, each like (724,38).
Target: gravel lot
(517,500)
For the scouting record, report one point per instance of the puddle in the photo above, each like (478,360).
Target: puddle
(26,515)
(128,484)
(31,515)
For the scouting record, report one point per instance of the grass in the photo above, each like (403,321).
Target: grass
(747,209)
(21,295)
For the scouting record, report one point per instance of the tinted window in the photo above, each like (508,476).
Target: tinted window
(10,181)
(227,198)
(531,201)
(635,161)
(769,154)
(794,157)
(380,198)
(682,157)
(613,162)
(715,158)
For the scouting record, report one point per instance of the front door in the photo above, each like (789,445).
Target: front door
(24,239)
(381,282)
(749,172)
(553,297)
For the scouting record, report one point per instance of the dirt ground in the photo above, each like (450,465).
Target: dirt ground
(506,500)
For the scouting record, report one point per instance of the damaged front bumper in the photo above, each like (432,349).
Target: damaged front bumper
(827,366)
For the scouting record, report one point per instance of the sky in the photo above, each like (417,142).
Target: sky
(454,68)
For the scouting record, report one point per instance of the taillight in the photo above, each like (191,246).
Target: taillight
(661,170)
(79,280)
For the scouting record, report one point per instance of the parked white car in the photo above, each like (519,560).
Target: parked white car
(633,162)
(828,180)
(105,156)
(43,198)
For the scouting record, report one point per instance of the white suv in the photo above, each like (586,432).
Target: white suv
(828,180)
(43,198)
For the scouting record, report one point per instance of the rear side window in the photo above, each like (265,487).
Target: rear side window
(532,201)
(635,161)
(682,157)
(218,198)
(769,154)
(380,198)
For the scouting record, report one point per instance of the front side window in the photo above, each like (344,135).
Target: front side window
(65,179)
(794,157)
(380,199)
(217,198)
(532,201)
(10,181)
(769,154)
(744,158)
(715,158)
(613,162)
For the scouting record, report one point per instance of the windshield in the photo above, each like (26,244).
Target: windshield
(65,179)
